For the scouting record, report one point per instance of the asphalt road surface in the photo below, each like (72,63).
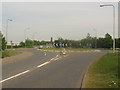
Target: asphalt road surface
(48,70)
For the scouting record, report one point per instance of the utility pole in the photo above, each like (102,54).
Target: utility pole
(7,30)
(113,24)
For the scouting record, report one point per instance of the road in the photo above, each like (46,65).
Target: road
(48,70)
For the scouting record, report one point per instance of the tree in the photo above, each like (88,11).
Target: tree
(105,42)
(22,44)
(29,43)
(87,42)
(100,42)
(108,41)
(3,42)
(117,40)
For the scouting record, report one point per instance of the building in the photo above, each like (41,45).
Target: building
(13,43)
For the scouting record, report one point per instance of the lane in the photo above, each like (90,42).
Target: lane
(66,72)
(30,62)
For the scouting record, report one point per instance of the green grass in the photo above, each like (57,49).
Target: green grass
(103,72)
(9,53)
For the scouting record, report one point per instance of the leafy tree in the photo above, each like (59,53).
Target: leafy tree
(100,42)
(22,44)
(76,44)
(108,41)
(3,42)
(44,42)
(87,42)
(105,42)
(117,42)
(29,43)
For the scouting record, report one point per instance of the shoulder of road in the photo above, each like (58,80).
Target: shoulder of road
(15,58)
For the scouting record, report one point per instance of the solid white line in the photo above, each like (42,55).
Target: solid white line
(43,64)
(14,76)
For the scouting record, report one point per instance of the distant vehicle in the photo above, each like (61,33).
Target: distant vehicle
(40,47)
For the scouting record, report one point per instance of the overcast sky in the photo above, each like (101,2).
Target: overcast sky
(68,20)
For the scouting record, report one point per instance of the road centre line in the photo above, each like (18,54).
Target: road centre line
(14,76)
(24,72)
(48,61)
(57,58)
(53,59)
(43,64)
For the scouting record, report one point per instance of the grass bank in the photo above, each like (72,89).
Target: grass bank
(9,53)
(103,73)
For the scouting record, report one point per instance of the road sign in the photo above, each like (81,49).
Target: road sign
(60,44)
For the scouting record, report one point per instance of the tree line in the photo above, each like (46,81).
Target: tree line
(90,42)
(87,42)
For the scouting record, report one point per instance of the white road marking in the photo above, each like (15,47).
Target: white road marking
(53,59)
(14,76)
(43,64)
(57,58)
(57,55)
(45,53)
(65,55)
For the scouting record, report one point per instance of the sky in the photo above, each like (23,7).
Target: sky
(69,20)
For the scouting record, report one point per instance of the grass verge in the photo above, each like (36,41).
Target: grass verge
(9,53)
(103,73)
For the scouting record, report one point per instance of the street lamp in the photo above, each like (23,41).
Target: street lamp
(7,30)
(25,32)
(113,24)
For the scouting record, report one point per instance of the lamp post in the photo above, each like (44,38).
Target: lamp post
(113,24)
(7,30)
(25,32)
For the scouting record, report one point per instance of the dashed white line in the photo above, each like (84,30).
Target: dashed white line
(14,76)
(55,58)
(43,64)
